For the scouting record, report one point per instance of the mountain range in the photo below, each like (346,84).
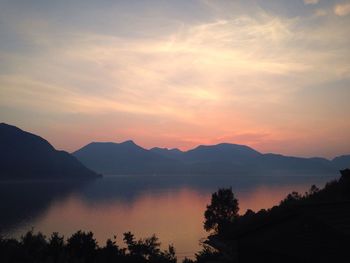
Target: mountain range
(224,158)
(24,155)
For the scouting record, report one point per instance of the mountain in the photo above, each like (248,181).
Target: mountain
(223,152)
(122,158)
(224,158)
(169,153)
(276,162)
(342,162)
(24,156)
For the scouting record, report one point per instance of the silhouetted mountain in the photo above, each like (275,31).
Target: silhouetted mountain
(169,153)
(122,158)
(223,152)
(341,162)
(24,155)
(277,162)
(224,158)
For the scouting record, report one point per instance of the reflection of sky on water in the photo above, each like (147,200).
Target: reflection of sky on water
(172,207)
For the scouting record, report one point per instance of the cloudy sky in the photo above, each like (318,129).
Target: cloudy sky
(274,75)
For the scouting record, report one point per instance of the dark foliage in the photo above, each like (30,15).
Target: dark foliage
(313,227)
(208,254)
(82,247)
(221,212)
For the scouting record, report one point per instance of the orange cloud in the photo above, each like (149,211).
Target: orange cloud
(342,9)
(246,79)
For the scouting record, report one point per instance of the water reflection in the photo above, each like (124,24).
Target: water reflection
(172,207)
(25,201)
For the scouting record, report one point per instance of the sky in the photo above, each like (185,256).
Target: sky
(274,75)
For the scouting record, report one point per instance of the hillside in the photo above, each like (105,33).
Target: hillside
(310,227)
(25,156)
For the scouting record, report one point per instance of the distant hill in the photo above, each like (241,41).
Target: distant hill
(277,162)
(223,152)
(224,158)
(122,158)
(342,162)
(169,153)
(24,156)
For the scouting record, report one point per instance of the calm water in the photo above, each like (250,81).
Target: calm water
(170,206)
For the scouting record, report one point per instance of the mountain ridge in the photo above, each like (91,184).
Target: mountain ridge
(24,155)
(225,158)
(108,157)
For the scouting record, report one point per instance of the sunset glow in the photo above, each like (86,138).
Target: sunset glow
(274,75)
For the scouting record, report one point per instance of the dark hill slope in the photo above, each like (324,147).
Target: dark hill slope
(341,162)
(276,163)
(24,155)
(314,227)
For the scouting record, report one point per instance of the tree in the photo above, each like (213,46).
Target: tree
(291,199)
(313,190)
(33,247)
(82,246)
(142,247)
(208,254)
(147,250)
(222,211)
(55,248)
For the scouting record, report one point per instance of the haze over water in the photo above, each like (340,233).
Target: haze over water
(171,207)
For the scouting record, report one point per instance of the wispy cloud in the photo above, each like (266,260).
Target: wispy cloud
(311,2)
(320,12)
(342,9)
(250,78)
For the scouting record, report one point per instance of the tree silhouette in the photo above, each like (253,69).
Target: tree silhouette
(291,198)
(33,247)
(82,246)
(55,248)
(222,211)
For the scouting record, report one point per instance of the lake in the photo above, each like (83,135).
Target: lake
(172,207)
